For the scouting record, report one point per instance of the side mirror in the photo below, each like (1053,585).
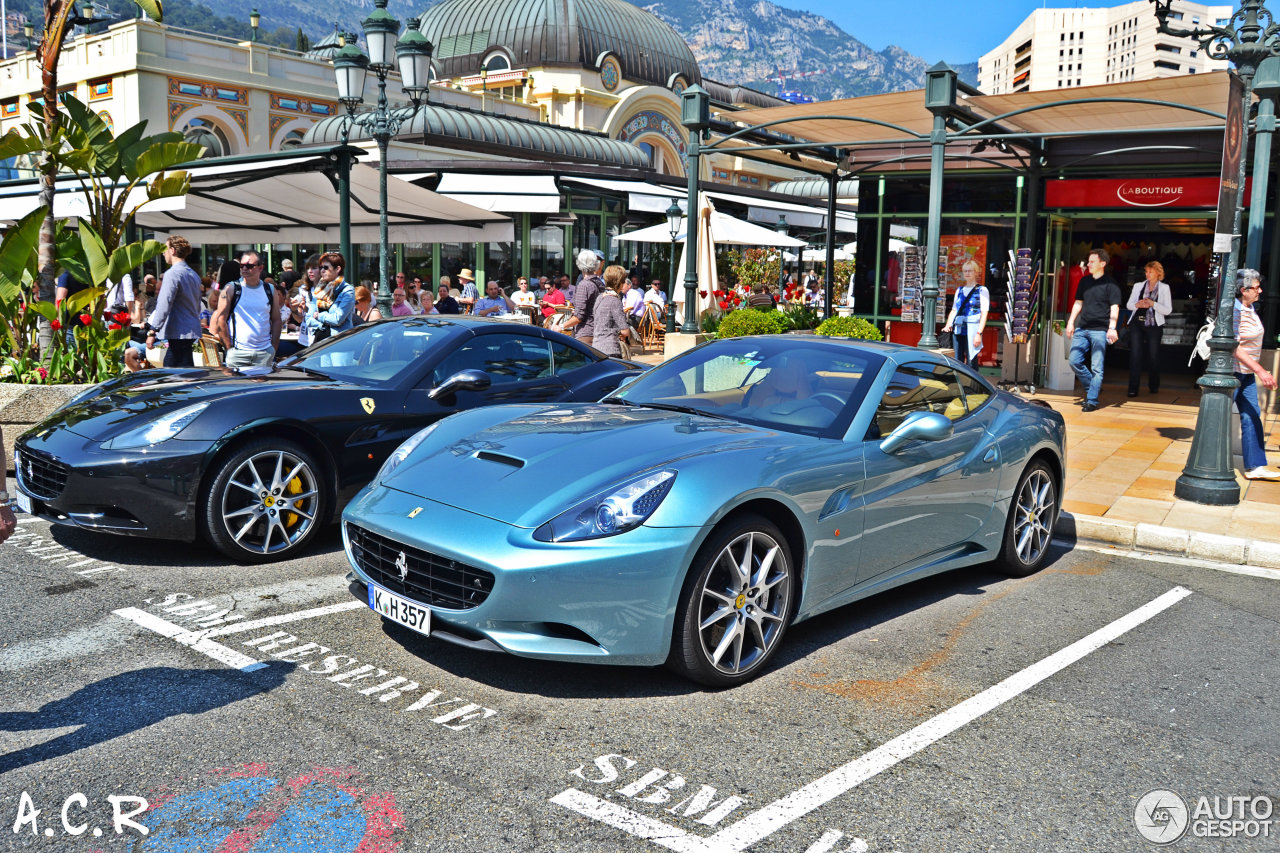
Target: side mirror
(918,426)
(463,380)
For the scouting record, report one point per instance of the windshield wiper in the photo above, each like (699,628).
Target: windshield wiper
(310,371)
(686,410)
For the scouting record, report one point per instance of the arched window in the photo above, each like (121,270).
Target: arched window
(204,132)
(497,62)
(292,139)
(648,150)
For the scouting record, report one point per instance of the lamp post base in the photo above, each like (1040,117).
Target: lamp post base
(1209,477)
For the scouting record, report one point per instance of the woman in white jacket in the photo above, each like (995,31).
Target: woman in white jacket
(1150,303)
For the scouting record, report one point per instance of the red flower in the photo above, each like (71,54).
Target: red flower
(122,317)
(86,319)
(44,374)
(57,302)
(724,305)
(718,292)
(55,325)
(702,293)
(113,327)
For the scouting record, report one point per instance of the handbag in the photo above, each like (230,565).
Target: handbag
(946,341)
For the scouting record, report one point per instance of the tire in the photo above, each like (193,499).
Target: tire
(244,508)
(1029,527)
(729,624)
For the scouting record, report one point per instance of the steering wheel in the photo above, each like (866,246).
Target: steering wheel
(830,400)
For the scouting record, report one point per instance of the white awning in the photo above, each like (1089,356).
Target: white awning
(798,215)
(502,192)
(641,195)
(69,201)
(230,205)
(724,229)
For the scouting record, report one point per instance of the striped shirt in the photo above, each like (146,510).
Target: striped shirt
(1249,334)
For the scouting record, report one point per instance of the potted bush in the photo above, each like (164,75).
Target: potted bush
(849,327)
(737,324)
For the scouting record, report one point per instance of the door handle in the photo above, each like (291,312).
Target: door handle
(990,455)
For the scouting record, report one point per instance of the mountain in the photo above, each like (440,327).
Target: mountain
(773,49)
(751,42)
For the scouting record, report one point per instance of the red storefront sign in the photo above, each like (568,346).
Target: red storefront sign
(1136,193)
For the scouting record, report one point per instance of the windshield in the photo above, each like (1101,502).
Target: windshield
(810,387)
(377,354)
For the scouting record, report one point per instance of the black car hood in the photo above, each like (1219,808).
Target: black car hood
(152,393)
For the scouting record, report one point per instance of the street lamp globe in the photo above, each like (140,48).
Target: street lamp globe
(380,31)
(413,52)
(350,67)
(674,215)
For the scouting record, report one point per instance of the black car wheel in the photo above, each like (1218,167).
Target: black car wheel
(265,502)
(1029,528)
(735,606)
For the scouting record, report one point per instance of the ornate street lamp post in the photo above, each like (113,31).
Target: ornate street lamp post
(695,114)
(673,225)
(1249,37)
(781,227)
(254,20)
(413,55)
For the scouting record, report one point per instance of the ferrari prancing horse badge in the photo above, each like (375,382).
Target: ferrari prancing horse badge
(369,405)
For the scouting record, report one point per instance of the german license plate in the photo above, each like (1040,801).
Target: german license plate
(24,502)
(402,611)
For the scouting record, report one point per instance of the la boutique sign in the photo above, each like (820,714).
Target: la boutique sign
(1140,193)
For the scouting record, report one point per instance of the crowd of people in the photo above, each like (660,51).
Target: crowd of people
(257,317)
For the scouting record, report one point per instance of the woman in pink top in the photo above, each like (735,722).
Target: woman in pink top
(1249,334)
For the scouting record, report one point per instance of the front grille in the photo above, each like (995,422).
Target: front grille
(40,476)
(430,579)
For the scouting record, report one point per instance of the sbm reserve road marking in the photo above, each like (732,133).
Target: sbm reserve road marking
(769,819)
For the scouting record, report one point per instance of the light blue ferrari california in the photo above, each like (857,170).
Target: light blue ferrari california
(692,515)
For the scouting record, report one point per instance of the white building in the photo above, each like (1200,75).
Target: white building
(1066,48)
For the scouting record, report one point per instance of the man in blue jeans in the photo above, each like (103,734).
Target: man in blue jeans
(1092,325)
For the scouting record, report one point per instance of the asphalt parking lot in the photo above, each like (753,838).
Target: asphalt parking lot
(266,709)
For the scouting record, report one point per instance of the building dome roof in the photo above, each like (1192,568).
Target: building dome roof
(567,33)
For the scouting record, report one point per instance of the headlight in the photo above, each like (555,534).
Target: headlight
(402,452)
(161,429)
(611,512)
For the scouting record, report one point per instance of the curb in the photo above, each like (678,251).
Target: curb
(1152,538)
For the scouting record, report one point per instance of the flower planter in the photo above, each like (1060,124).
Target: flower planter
(24,406)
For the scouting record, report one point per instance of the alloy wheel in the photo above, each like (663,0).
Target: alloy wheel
(1034,517)
(270,502)
(742,606)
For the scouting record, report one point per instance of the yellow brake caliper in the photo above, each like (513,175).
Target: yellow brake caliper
(293,487)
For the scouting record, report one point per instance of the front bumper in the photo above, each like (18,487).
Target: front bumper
(608,600)
(149,492)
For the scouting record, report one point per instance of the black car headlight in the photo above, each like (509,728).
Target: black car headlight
(610,512)
(402,452)
(158,430)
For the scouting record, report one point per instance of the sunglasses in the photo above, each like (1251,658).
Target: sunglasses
(249,266)
(327,267)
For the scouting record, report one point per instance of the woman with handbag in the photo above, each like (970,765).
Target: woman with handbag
(1150,303)
(968,315)
(332,303)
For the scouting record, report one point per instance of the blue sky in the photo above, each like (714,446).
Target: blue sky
(931,29)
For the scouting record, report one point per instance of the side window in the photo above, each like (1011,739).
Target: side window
(975,393)
(506,358)
(568,359)
(920,388)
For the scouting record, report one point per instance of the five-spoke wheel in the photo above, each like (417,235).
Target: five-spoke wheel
(1032,516)
(265,502)
(735,606)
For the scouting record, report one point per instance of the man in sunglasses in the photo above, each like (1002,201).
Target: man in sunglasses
(248,317)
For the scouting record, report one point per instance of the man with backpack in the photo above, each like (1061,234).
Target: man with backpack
(248,317)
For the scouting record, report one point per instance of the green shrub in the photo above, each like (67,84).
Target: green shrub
(737,324)
(849,327)
(711,322)
(801,317)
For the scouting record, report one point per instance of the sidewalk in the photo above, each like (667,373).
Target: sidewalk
(1122,461)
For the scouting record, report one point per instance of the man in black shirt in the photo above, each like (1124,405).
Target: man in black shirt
(1092,325)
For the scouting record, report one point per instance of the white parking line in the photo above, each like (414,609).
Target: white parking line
(282,619)
(165,628)
(769,819)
